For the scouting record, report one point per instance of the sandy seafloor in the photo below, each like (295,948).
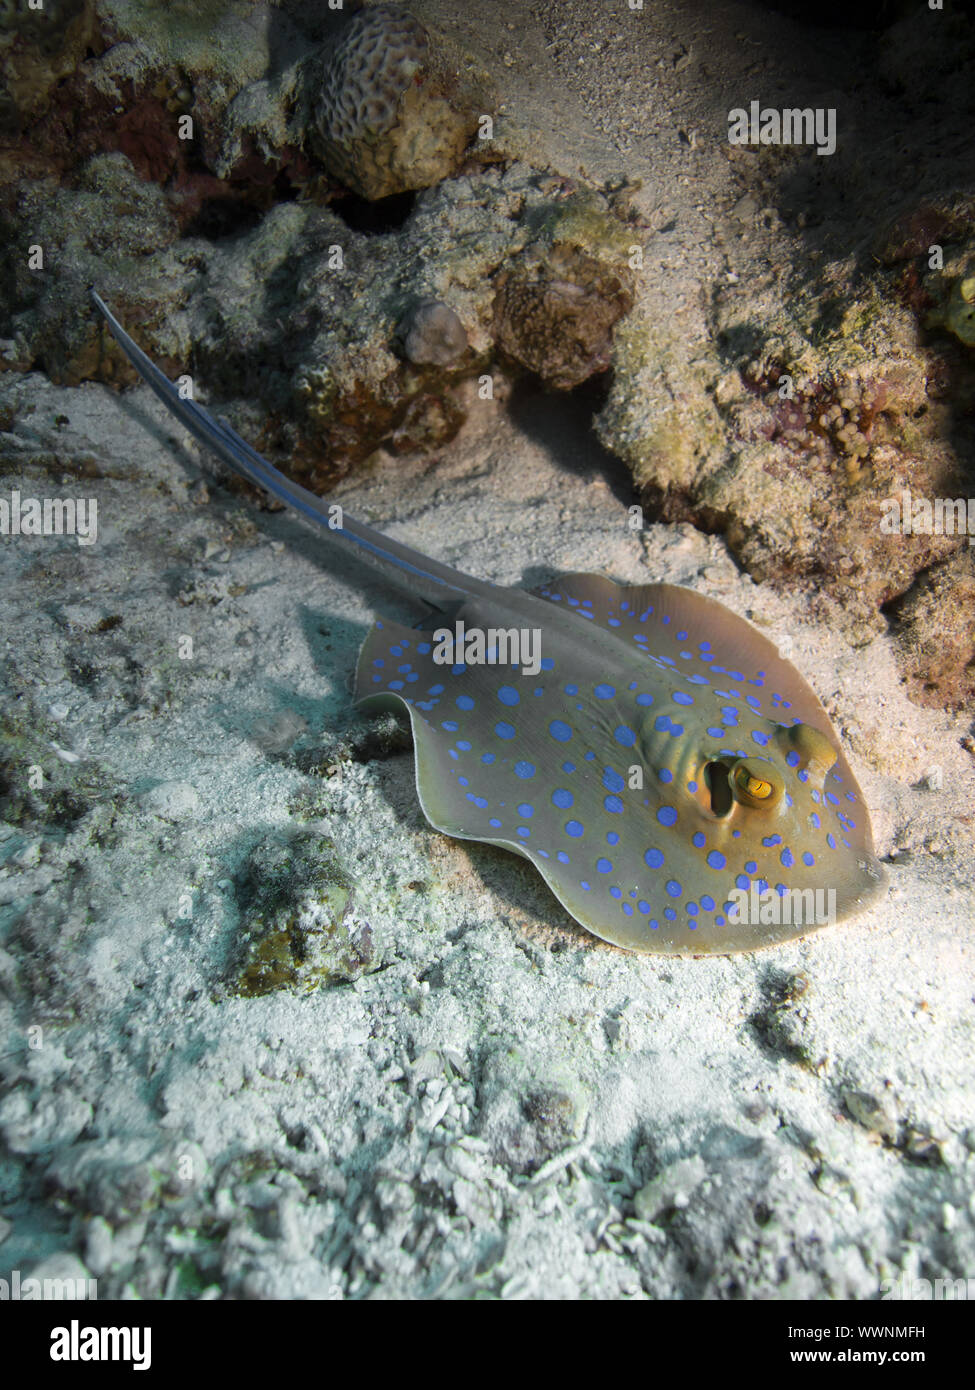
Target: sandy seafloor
(507,1106)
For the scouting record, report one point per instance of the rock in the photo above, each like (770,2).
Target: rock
(873,1113)
(555,317)
(44,1123)
(671,1188)
(433,334)
(383,122)
(41,46)
(529,1110)
(935,633)
(299,929)
(171,800)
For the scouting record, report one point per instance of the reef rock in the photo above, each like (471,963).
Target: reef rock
(433,334)
(383,118)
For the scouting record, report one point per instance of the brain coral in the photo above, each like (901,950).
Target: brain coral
(381,120)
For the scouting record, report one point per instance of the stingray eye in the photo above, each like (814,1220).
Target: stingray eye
(755,784)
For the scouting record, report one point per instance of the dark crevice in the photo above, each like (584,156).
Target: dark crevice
(374,218)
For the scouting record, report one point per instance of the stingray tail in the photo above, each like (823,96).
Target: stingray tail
(409,569)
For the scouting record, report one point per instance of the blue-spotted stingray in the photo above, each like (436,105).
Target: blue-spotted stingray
(676,783)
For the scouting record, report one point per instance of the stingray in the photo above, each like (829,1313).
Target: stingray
(674,780)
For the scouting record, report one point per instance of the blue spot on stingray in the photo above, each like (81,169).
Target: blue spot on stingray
(787,858)
(463,745)
(670,914)
(699,840)
(568,767)
(644,699)
(674,889)
(574,828)
(628,909)
(547,664)
(680,698)
(667,815)
(605,866)
(449,725)
(719,921)
(435,690)
(751,866)
(613,805)
(496,823)
(487,757)
(665,774)
(624,736)
(653,859)
(379,662)
(604,692)
(692,786)
(707,902)
(643,906)
(458,670)
(423,648)
(754,702)
(525,770)
(770,840)
(612,780)
(814,820)
(742,881)
(716,859)
(572,690)
(716,733)
(464,702)
(560,730)
(693,910)
(583,884)
(613,839)
(504,730)
(562,798)
(523,831)
(759,737)
(808,859)
(526,811)
(398,685)
(508,695)
(562,857)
